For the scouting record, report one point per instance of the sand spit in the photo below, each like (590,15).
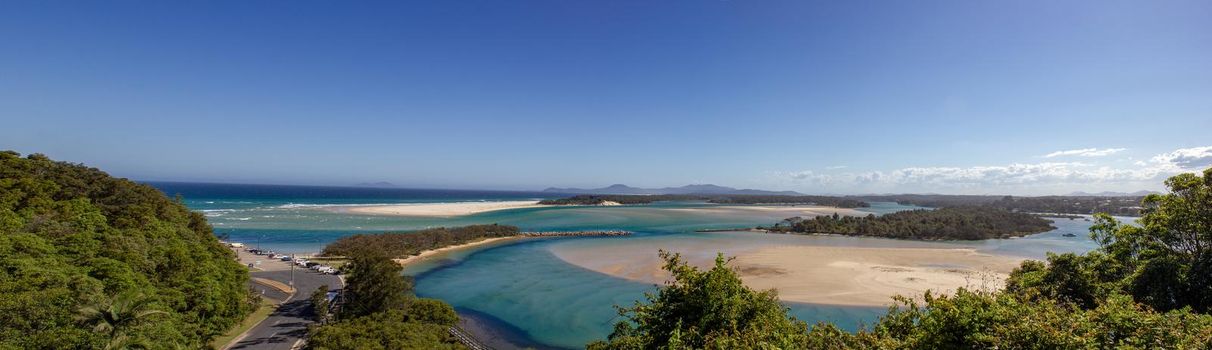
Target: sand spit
(432,209)
(821,274)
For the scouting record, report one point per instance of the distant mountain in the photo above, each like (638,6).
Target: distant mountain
(1141,193)
(688,189)
(376,184)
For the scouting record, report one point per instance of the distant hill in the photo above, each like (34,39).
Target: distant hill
(688,189)
(1140,193)
(376,184)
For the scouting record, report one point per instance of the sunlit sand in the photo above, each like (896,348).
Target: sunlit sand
(837,275)
(433,209)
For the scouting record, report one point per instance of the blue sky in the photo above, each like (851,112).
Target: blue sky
(820,97)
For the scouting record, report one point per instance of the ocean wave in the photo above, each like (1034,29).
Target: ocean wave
(316,205)
(241,219)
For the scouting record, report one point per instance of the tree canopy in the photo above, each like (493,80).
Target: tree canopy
(380,312)
(92,261)
(954,223)
(402,244)
(1165,261)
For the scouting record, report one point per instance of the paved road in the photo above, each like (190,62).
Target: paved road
(288,324)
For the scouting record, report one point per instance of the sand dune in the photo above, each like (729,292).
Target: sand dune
(433,209)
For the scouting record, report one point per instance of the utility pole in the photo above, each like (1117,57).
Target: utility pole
(292,271)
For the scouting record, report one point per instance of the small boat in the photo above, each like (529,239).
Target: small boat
(1069,235)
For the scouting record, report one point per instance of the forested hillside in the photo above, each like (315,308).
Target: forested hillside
(88,261)
(1122,205)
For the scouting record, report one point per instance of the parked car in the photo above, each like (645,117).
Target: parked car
(286,258)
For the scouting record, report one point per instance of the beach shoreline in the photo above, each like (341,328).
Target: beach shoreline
(430,253)
(816,274)
(431,209)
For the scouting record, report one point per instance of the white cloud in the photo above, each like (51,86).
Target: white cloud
(1086,152)
(835,167)
(1185,159)
(1024,176)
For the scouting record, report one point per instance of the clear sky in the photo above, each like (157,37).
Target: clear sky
(819,97)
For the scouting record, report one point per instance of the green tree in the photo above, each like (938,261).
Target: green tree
(73,237)
(375,284)
(1165,261)
(705,309)
(432,311)
(388,330)
(116,317)
(319,304)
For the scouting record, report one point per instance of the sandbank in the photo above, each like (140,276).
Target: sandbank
(837,275)
(432,209)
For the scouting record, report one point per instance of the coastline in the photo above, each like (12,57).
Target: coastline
(807,210)
(432,209)
(817,274)
(429,253)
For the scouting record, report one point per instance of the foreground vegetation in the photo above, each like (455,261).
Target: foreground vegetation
(380,312)
(955,223)
(402,244)
(589,199)
(1145,287)
(88,261)
(1121,206)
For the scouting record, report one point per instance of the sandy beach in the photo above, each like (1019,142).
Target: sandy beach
(433,209)
(432,252)
(836,275)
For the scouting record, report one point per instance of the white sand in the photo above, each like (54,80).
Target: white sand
(869,276)
(433,209)
(838,275)
(432,252)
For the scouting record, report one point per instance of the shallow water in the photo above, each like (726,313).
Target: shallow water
(522,284)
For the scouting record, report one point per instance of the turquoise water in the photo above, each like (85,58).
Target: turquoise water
(524,285)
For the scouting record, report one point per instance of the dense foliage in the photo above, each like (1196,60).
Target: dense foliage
(1146,287)
(590,199)
(381,313)
(401,244)
(388,330)
(954,223)
(714,310)
(705,310)
(1164,262)
(375,284)
(1125,206)
(92,261)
